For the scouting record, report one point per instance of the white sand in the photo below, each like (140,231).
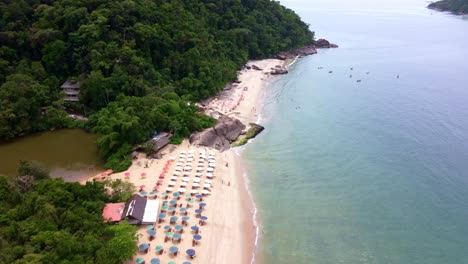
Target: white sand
(229,235)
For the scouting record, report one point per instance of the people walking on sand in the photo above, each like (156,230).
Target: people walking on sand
(229,183)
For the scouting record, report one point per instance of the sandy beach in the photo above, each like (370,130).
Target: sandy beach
(229,234)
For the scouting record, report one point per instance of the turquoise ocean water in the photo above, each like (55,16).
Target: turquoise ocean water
(375,171)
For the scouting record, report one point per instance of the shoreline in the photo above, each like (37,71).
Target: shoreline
(233,228)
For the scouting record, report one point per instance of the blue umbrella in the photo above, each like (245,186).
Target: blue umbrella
(197,237)
(150,227)
(164,194)
(152,232)
(176,194)
(173,249)
(186,262)
(173,202)
(185,218)
(143,193)
(162,215)
(176,236)
(155,261)
(171,209)
(153,193)
(167,227)
(143,246)
(194,228)
(191,252)
(204,218)
(202,204)
(178,227)
(165,202)
(174,219)
(198,196)
(183,209)
(140,260)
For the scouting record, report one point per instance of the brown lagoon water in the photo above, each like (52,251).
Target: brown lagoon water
(68,153)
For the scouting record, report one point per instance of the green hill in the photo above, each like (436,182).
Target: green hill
(454,6)
(138,60)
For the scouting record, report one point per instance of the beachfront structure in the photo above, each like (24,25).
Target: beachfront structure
(141,211)
(160,140)
(71,89)
(113,212)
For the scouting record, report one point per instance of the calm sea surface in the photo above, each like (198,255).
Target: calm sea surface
(373,171)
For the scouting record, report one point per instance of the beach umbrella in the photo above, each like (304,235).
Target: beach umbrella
(203,218)
(153,193)
(183,151)
(205,192)
(208,181)
(164,207)
(175,173)
(198,211)
(183,210)
(181,190)
(194,228)
(190,159)
(169,189)
(212,165)
(173,202)
(173,249)
(178,168)
(188,195)
(187,168)
(172,158)
(174,178)
(150,227)
(140,260)
(197,237)
(151,232)
(178,227)
(183,184)
(155,188)
(196,180)
(176,236)
(143,246)
(162,215)
(169,234)
(206,185)
(161,176)
(164,194)
(176,194)
(155,261)
(198,174)
(186,262)
(179,163)
(190,252)
(209,175)
(109,171)
(200,168)
(201,160)
(174,219)
(167,228)
(209,169)
(185,219)
(143,174)
(159,248)
(193,191)
(202,205)
(195,185)
(143,193)
(172,183)
(127,174)
(198,196)
(186,173)
(171,209)
(185,179)
(142,187)
(171,262)
(191,151)
(191,202)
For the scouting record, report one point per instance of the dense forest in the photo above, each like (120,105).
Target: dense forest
(454,6)
(140,63)
(45,220)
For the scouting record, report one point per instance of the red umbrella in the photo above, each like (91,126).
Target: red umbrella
(155,188)
(142,187)
(127,174)
(143,174)
(109,171)
(161,176)
(103,174)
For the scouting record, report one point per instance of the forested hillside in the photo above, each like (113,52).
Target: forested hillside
(172,52)
(454,6)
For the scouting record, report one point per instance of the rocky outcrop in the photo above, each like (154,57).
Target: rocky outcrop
(324,44)
(279,71)
(253,131)
(220,136)
(306,50)
(255,67)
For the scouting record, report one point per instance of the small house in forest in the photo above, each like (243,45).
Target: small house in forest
(141,211)
(160,140)
(71,89)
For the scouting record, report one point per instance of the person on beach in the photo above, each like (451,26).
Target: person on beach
(229,183)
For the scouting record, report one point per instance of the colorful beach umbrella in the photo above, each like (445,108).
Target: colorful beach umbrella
(167,228)
(202,204)
(162,215)
(139,260)
(150,227)
(169,234)
(190,252)
(142,187)
(173,249)
(185,218)
(159,248)
(143,246)
(174,219)
(151,232)
(177,236)
(143,193)
(194,228)
(197,237)
(203,218)
(155,261)
(178,228)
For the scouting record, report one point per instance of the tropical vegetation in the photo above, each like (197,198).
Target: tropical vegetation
(454,6)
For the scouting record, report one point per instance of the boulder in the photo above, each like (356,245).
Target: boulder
(324,44)
(220,136)
(278,71)
(255,67)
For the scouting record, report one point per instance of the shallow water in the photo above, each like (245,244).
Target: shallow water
(68,153)
(373,171)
